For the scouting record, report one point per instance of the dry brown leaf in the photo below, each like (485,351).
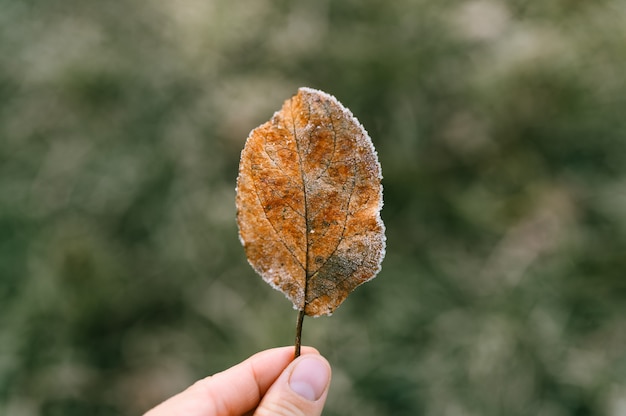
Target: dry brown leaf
(308,202)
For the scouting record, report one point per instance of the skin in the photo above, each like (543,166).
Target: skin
(270,382)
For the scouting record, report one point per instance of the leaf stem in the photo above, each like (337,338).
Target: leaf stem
(299,332)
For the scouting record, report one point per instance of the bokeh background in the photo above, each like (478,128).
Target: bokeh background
(501,129)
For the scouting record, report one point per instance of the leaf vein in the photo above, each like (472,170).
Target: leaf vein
(343,230)
(289,249)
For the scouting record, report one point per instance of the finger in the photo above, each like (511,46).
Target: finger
(300,390)
(231,392)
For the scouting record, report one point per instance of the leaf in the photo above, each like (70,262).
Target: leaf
(308,202)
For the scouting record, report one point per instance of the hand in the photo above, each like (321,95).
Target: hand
(270,382)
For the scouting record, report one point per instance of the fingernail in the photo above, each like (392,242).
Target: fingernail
(310,378)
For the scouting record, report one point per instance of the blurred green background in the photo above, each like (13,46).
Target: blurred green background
(501,130)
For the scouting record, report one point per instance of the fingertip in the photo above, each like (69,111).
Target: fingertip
(310,376)
(309,350)
(301,389)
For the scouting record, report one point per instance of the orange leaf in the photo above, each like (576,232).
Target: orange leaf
(308,202)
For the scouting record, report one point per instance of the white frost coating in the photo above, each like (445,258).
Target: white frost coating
(367,142)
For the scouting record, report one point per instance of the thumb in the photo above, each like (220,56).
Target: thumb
(300,390)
